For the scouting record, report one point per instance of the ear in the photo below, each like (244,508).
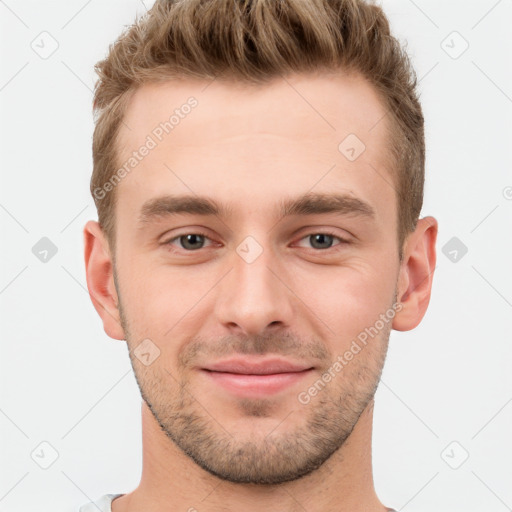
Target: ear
(416,274)
(100,279)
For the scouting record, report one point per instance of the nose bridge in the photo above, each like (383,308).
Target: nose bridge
(252,296)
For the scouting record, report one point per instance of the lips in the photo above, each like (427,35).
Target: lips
(255,378)
(262,367)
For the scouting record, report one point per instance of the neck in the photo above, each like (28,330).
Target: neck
(171,481)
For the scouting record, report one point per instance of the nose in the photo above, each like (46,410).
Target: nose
(255,296)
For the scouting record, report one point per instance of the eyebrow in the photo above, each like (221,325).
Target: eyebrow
(307,204)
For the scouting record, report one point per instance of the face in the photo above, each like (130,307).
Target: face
(254,255)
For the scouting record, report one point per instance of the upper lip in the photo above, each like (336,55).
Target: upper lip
(256,367)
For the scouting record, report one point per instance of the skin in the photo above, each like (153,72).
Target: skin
(204,447)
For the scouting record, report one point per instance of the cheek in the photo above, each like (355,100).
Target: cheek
(348,299)
(160,299)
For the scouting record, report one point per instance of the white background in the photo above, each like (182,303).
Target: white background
(65,382)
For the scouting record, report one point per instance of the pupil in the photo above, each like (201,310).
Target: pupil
(321,238)
(189,240)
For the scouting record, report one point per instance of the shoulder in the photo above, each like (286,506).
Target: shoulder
(102,504)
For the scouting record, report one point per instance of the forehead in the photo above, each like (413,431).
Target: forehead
(331,104)
(249,144)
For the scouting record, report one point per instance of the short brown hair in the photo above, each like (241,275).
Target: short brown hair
(256,41)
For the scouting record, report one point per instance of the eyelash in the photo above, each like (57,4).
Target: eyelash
(329,233)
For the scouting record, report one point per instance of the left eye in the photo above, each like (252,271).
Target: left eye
(322,241)
(195,241)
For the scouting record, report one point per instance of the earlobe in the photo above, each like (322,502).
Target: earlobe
(100,280)
(416,275)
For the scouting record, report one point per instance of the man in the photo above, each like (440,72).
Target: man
(258,174)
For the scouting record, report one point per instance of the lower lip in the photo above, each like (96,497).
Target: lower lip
(256,385)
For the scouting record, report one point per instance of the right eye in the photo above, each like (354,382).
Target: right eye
(188,241)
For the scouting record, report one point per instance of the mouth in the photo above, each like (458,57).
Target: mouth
(256,378)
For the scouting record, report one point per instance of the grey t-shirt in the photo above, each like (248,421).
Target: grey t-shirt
(103,504)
